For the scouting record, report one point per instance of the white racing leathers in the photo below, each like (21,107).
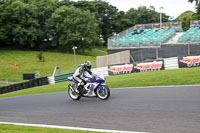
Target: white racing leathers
(80,75)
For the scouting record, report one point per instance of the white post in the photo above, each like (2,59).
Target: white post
(157,54)
(74,48)
(161,24)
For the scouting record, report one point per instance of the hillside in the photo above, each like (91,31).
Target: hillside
(28,62)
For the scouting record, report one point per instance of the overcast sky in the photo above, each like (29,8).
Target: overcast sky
(171,7)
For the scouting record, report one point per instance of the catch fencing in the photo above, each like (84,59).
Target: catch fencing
(155,65)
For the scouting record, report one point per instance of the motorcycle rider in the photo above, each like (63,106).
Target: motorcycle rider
(80,74)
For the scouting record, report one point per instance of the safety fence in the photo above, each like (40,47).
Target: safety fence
(45,80)
(155,65)
(171,63)
(64,77)
(59,78)
(145,66)
(35,82)
(24,85)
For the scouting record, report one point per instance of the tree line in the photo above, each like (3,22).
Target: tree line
(56,24)
(187,16)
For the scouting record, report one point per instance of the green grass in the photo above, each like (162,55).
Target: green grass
(59,87)
(104,48)
(3,84)
(94,52)
(9,128)
(159,78)
(29,63)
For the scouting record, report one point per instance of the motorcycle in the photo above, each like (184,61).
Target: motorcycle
(96,81)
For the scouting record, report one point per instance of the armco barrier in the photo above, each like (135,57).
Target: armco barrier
(24,85)
(62,77)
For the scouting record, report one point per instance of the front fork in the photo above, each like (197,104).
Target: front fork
(100,88)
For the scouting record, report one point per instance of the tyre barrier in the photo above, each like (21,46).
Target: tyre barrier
(24,85)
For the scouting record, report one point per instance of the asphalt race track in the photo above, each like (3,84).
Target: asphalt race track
(147,109)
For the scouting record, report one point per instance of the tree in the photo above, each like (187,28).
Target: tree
(105,15)
(144,15)
(23,23)
(121,22)
(72,26)
(185,18)
(45,8)
(196,1)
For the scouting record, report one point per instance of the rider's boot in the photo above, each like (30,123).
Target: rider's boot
(78,88)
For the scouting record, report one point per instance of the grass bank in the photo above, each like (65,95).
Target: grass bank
(3,84)
(59,87)
(183,76)
(159,78)
(9,128)
(29,63)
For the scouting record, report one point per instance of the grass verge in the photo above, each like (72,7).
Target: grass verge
(183,76)
(159,78)
(9,128)
(1,84)
(29,63)
(59,87)
(95,52)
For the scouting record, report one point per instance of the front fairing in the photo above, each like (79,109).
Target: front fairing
(100,78)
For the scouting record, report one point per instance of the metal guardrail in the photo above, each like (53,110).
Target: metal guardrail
(62,77)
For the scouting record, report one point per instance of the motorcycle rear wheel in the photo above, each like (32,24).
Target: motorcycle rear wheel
(72,94)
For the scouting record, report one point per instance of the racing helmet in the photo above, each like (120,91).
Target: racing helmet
(87,65)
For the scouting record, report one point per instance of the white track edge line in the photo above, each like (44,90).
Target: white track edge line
(159,86)
(71,128)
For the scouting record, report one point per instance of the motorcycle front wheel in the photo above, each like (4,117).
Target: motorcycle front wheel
(105,94)
(72,94)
